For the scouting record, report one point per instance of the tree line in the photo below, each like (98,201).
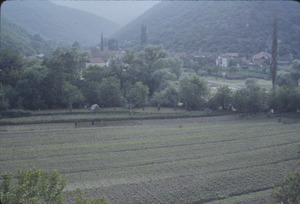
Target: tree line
(132,79)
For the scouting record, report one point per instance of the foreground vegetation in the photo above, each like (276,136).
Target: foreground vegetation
(216,159)
(39,186)
(288,191)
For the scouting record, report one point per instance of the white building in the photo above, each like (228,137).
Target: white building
(223,60)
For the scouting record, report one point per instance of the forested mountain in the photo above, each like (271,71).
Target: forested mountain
(244,27)
(17,38)
(59,23)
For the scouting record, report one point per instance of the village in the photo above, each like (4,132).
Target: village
(225,60)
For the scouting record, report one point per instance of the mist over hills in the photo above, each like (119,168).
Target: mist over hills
(58,23)
(244,27)
(16,37)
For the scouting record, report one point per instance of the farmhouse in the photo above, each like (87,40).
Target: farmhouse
(104,58)
(201,54)
(180,55)
(96,61)
(284,62)
(261,58)
(38,57)
(223,59)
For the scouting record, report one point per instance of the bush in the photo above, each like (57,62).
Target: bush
(138,95)
(222,99)
(33,186)
(250,99)
(285,99)
(193,93)
(289,190)
(39,186)
(168,97)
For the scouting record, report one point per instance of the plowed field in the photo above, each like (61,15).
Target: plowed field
(196,160)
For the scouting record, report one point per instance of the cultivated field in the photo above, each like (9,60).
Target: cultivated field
(222,159)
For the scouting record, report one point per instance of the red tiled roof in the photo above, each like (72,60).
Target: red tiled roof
(261,55)
(96,60)
(230,55)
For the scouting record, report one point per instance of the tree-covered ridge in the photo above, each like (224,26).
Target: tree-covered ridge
(243,27)
(17,38)
(59,23)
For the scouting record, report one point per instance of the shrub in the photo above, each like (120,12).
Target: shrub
(289,190)
(39,186)
(285,99)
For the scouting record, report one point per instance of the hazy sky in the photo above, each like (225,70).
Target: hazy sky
(121,12)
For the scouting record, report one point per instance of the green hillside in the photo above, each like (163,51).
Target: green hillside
(17,38)
(59,23)
(218,26)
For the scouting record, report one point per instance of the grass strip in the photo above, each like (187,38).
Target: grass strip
(126,118)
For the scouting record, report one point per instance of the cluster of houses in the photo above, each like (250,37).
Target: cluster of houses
(222,60)
(261,58)
(101,60)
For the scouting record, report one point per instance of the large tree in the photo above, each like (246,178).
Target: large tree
(110,93)
(222,99)
(250,99)
(154,67)
(28,90)
(11,67)
(51,86)
(117,68)
(138,95)
(132,66)
(175,65)
(193,93)
(94,73)
(169,97)
(71,95)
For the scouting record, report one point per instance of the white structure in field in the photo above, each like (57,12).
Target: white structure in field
(95,108)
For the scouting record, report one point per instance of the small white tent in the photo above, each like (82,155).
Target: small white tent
(95,108)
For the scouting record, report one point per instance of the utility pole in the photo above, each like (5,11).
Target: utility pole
(273,66)
(101,42)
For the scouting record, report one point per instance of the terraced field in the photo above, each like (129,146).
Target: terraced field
(192,160)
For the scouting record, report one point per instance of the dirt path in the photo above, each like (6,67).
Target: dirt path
(52,126)
(157,121)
